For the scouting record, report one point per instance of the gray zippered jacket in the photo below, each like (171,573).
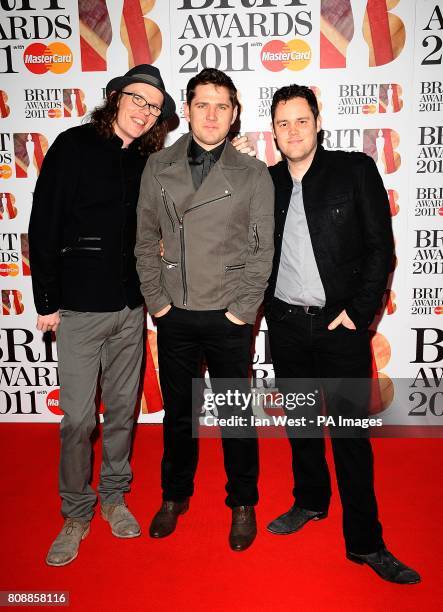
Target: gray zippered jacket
(218,240)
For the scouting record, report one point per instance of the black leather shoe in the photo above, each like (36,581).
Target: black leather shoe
(243,528)
(165,521)
(293,520)
(387,566)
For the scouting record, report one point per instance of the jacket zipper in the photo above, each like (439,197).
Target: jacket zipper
(169,264)
(67,249)
(235,267)
(256,238)
(165,202)
(182,260)
(182,241)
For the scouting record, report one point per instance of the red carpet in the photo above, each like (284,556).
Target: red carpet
(194,569)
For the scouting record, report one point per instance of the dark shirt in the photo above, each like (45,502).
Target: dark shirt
(202,161)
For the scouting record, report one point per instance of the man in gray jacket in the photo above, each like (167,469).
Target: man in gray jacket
(213,208)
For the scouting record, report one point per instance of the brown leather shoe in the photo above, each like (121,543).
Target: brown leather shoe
(165,521)
(243,528)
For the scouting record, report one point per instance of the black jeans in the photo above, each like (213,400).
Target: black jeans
(185,338)
(302,347)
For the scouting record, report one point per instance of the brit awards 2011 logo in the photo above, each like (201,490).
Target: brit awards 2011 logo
(363,33)
(9,254)
(369,98)
(428,252)
(428,201)
(54,103)
(427,301)
(14,250)
(430,153)
(27,150)
(23,21)
(430,96)
(110,29)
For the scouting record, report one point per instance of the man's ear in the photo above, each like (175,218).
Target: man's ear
(234,114)
(318,124)
(186,111)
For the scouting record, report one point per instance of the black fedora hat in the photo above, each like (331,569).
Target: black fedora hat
(144,73)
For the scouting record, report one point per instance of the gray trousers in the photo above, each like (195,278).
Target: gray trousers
(86,341)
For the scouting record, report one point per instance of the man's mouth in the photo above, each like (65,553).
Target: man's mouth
(138,121)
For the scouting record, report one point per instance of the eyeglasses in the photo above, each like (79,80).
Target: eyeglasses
(142,103)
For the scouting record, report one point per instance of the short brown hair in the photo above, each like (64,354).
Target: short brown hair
(295,91)
(214,77)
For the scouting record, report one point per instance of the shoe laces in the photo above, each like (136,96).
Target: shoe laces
(71,524)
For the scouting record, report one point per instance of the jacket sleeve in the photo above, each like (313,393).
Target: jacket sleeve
(54,190)
(147,249)
(260,250)
(376,227)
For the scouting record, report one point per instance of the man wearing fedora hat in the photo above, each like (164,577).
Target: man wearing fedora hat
(82,237)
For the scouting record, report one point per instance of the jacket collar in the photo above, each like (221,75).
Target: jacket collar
(178,152)
(316,165)
(283,177)
(174,175)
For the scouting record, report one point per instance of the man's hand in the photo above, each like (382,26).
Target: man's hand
(342,319)
(48,322)
(163,311)
(243,145)
(234,319)
(162,248)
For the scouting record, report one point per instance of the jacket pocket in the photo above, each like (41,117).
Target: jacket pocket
(89,246)
(338,214)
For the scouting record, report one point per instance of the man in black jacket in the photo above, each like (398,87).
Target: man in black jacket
(86,287)
(333,250)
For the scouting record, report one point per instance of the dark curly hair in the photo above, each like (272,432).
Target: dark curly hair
(104,116)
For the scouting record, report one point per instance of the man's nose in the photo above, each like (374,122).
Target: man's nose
(211,113)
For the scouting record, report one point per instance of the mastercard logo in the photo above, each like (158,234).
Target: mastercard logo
(440,212)
(5,171)
(9,269)
(53,402)
(55,57)
(438,310)
(277,55)
(54,113)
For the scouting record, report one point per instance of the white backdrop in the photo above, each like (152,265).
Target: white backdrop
(376,67)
